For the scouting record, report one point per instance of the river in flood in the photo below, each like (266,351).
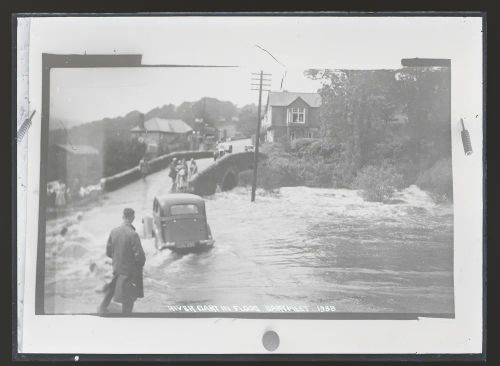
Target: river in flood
(299,246)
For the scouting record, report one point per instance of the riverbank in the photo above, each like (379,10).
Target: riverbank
(311,163)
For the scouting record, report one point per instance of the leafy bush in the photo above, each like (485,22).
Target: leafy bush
(343,173)
(267,178)
(274,149)
(315,164)
(438,180)
(280,169)
(300,144)
(120,155)
(282,172)
(378,183)
(407,169)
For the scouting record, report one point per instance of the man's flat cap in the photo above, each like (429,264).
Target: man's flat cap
(128,212)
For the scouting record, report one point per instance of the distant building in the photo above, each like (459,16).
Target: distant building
(290,115)
(161,134)
(205,130)
(227,127)
(68,162)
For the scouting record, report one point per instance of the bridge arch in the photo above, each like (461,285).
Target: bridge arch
(229,181)
(223,174)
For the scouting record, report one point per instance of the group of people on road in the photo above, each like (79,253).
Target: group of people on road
(181,173)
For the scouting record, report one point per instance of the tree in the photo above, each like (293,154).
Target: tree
(166,111)
(120,154)
(360,106)
(425,93)
(356,105)
(247,120)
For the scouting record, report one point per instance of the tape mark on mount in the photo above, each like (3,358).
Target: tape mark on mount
(24,127)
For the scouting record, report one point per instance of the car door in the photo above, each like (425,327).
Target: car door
(156,219)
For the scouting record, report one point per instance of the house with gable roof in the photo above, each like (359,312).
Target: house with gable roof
(291,115)
(159,133)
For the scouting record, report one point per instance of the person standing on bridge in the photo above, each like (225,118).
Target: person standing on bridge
(128,259)
(193,170)
(185,165)
(173,173)
(144,168)
(181,178)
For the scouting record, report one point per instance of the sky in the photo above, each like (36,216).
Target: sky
(298,43)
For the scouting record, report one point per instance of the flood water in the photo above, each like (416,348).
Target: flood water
(300,246)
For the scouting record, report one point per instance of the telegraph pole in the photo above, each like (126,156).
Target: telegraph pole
(261,81)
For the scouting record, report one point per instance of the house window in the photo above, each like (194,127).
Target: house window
(296,115)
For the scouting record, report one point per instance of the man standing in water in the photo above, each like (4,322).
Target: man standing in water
(128,258)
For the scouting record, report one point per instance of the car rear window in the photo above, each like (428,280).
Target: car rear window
(183,209)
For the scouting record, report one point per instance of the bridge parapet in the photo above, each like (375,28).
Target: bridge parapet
(128,176)
(223,174)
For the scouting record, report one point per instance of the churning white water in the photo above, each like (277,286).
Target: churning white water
(298,246)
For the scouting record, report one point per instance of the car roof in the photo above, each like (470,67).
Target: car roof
(180,198)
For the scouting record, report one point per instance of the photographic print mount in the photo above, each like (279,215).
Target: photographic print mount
(230,168)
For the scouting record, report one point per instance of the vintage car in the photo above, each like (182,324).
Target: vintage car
(180,223)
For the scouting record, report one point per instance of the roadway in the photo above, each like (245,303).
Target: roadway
(239,145)
(86,238)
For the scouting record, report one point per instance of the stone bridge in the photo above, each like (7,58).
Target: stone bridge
(223,174)
(131,175)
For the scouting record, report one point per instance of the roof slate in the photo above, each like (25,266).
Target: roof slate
(157,124)
(283,99)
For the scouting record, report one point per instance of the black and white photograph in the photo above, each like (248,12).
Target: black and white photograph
(224,166)
(149,187)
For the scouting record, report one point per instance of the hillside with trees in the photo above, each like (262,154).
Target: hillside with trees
(111,136)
